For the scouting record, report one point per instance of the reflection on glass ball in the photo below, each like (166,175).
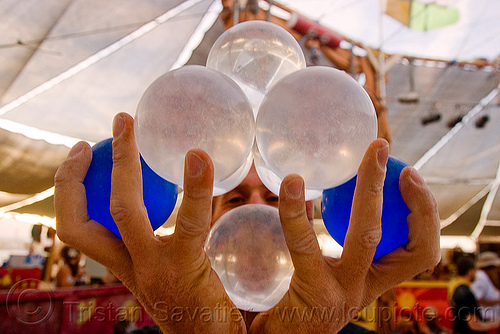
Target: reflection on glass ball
(247,249)
(318,123)
(256,54)
(195,107)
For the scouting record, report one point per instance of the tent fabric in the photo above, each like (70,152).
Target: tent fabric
(475,35)
(69,66)
(27,165)
(93,73)
(462,169)
(112,90)
(467,222)
(59,34)
(494,215)
(24,25)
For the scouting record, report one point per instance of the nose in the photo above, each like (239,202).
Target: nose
(256,198)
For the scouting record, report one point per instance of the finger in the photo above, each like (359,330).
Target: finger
(299,234)
(310,212)
(364,232)
(194,216)
(126,204)
(70,203)
(423,220)
(423,250)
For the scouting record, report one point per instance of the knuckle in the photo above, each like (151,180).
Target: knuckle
(65,234)
(197,193)
(118,155)
(293,212)
(61,175)
(62,234)
(375,188)
(190,226)
(366,239)
(427,253)
(371,238)
(122,152)
(118,209)
(434,258)
(303,243)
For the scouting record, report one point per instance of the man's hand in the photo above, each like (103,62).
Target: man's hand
(326,293)
(170,275)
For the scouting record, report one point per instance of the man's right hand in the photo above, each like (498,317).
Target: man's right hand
(326,293)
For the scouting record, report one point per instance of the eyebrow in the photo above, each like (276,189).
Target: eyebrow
(244,188)
(239,190)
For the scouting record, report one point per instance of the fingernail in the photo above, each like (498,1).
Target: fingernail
(195,164)
(295,187)
(416,177)
(75,150)
(383,156)
(118,126)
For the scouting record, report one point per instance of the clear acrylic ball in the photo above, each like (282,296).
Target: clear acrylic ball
(247,249)
(256,54)
(196,107)
(316,122)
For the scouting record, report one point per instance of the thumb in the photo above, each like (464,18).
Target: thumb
(423,220)
(70,202)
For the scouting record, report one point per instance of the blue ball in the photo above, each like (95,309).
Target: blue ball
(159,195)
(336,206)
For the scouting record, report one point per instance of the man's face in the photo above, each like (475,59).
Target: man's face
(250,191)
(257,256)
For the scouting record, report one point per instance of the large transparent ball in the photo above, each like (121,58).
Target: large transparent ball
(247,249)
(256,54)
(318,123)
(196,107)
(272,181)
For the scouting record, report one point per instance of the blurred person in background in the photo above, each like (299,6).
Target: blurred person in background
(70,273)
(466,312)
(483,287)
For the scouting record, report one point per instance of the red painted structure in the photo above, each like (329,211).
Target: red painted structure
(308,27)
(414,298)
(26,309)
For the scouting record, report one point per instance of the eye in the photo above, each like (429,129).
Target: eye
(272,199)
(236,200)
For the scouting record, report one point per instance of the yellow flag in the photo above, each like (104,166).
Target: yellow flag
(418,15)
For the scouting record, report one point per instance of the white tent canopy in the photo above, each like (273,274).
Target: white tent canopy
(475,35)
(67,67)
(54,86)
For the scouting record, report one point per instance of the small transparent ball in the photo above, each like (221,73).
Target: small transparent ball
(247,249)
(196,107)
(318,123)
(256,54)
